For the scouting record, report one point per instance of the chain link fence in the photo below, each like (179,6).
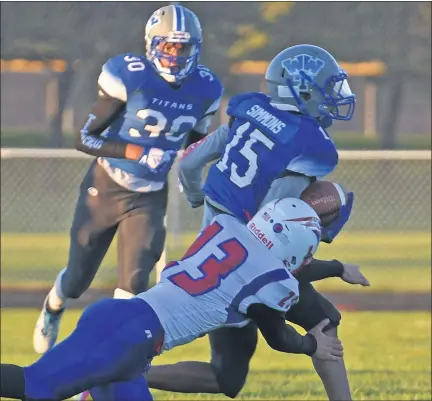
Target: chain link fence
(38,195)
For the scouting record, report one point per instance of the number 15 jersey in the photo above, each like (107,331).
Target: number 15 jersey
(263,142)
(224,271)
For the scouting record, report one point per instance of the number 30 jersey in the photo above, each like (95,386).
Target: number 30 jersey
(263,142)
(224,271)
(157,114)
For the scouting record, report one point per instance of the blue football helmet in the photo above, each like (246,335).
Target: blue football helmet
(179,26)
(308,79)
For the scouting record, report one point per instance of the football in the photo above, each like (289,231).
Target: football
(326,198)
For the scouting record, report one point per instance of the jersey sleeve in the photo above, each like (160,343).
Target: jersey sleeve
(203,125)
(278,335)
(195,157)
(319,156)
(319,270)
(237,100)
(278,295)
(111,79)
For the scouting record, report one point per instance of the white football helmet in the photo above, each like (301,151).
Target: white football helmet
(289,228)
(177,25)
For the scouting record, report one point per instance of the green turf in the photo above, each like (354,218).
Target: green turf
(393,262)
(391,360)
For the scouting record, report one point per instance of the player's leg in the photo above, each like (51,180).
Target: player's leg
(311,309)
(141,239)
(133,390)
(93,228)
(112,342)
(231,351)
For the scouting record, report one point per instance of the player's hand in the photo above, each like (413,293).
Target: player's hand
(353,275)
(329,233)
(327,347)
(158,160)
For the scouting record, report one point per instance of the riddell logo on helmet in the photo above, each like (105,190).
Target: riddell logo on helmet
(260,235)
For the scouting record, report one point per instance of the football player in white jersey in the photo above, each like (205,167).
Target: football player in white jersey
(231,275)
(226,190)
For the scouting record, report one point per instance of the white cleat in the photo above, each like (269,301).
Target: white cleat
(46,330)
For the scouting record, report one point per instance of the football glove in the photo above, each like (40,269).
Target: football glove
(158,161)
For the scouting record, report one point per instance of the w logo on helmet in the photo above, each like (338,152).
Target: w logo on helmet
(154,19)
(309,65)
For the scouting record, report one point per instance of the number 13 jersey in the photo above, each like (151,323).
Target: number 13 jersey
(156,114)
(224,271)
(263,142)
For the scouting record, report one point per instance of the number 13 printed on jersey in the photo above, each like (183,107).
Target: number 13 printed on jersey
(213,269)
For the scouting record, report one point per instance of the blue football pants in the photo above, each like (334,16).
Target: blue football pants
(113,343)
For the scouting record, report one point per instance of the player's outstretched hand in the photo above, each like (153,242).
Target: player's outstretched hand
(327,347)
(353,275)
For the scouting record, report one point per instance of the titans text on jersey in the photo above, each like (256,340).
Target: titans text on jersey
(156,114)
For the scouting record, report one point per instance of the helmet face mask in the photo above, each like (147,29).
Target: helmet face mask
(309,78)
(339,101)
(177,28)
(176,65)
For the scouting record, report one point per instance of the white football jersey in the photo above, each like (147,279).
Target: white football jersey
(225,270)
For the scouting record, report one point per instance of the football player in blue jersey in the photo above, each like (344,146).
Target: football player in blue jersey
(148,107)
(274,146)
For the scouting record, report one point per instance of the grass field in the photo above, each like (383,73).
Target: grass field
(388,356)
(393,261)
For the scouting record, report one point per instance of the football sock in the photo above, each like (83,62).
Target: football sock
(56,299)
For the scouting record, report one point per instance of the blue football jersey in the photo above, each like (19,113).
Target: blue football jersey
(157,114)
(263,142)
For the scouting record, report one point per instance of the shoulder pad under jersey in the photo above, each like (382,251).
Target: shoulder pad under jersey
(212,87)
(236,100)
(120,75)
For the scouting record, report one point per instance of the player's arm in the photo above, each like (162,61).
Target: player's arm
(279,335)
(321,269)
(201,128)
(195,157)
(318,270)
(192,137)
(284,338)
(109,105)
